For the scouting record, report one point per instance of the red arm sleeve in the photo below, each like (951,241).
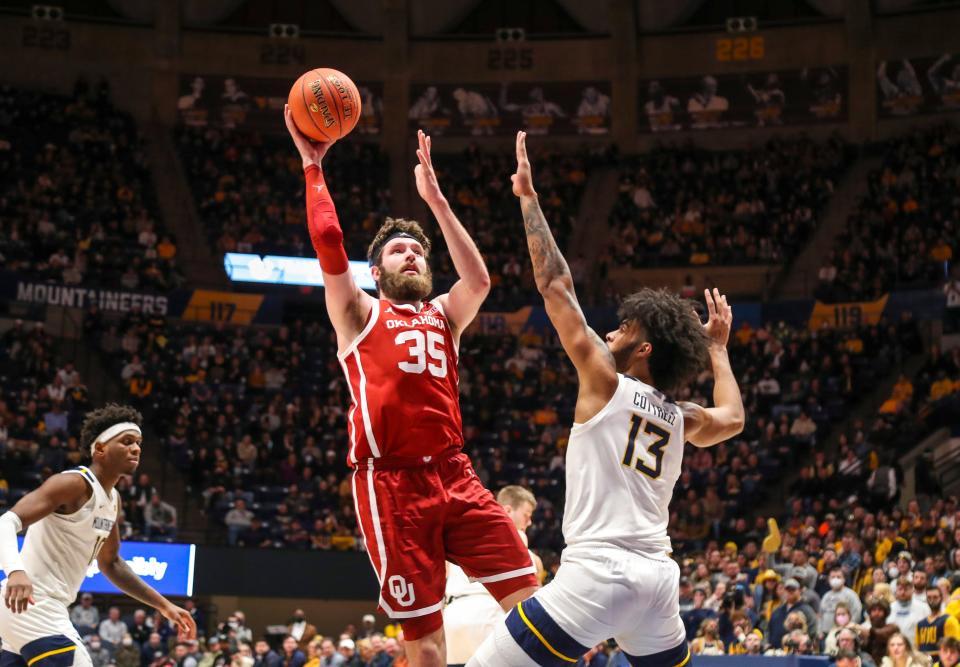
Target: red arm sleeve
(325,232)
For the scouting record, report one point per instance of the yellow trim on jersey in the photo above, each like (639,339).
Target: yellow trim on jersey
(539,636)
(56,651)
(685,660)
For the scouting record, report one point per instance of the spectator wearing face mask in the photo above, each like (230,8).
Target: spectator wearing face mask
(841,620)
(839,593)
(302,631)
(100,655)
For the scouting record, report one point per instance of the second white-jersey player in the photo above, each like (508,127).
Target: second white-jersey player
(471,613)
(616,577)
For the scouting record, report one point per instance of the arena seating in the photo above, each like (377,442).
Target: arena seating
(76,202)
(685,205)
(248,188)
(477,184)
(260,417)
(905,232)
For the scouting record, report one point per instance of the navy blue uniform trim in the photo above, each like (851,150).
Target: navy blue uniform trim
(541,637)
(672,657)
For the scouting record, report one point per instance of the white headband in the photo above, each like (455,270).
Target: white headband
(113,432)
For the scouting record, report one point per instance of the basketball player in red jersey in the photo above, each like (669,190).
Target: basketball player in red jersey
(417,497)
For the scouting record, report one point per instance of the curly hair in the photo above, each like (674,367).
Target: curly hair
(392,226)
(98,421)
(673,330)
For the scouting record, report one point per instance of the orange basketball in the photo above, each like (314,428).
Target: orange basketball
(325,104)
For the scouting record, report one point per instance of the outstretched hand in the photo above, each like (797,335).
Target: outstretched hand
(426,177)
(721,318)
(311,152)
(523,179)
(182,620)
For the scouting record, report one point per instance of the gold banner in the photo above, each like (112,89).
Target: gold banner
(210,306)
(847,315)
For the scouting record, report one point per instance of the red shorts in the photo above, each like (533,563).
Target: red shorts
(415,519)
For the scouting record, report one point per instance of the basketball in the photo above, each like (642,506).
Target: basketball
(325,104)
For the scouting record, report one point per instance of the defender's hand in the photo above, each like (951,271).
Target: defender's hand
(721,318)
(311,152)
(182,620)
(19,593)
(523,179)
(426,177)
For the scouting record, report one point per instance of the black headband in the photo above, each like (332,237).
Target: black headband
(379,247)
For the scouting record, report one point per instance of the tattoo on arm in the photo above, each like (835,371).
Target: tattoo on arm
(548,262)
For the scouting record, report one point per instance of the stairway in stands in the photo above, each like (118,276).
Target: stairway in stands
(201,266)
(799,281)
(592,228)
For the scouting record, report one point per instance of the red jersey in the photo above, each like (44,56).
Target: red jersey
(402,373)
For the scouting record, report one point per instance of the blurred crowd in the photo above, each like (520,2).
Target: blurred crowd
(685,205)
(43,399)
(907,229)
(249,191)
(140,639)
(256,421)
(248,188)
(477,185)
(76,202)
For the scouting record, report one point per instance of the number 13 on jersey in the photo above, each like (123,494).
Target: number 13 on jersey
(660,439)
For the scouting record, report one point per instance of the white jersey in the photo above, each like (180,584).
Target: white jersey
(59,548)
(459,584)
(621,468)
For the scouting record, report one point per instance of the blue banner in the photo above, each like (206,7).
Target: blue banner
(168,568)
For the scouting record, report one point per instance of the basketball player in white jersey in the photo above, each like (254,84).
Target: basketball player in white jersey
(471,612)
(73,519)
(616,578)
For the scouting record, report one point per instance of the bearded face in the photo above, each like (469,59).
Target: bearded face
(405,285)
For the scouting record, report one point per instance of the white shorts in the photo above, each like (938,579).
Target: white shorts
(42,635)
(467,621)
(599,592)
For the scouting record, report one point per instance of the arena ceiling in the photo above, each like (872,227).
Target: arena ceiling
(437,17)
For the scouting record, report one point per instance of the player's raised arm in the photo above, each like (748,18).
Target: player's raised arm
(120,575)
(466,296)
(587,351)
(347,305)
(704,427)
(57,491)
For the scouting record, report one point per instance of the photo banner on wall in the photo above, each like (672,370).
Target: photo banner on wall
(918,85)
(486,109)
(752,99)
(227,101)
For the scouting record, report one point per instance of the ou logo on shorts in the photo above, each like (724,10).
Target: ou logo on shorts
(401,591)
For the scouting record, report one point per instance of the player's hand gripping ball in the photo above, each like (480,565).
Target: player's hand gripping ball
(325,104)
